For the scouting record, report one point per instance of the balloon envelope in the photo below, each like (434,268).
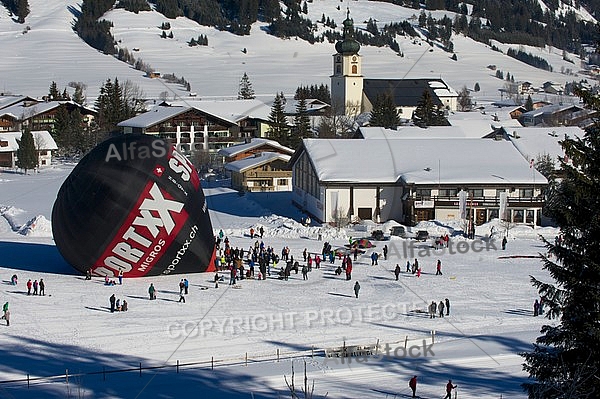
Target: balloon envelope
(134,204)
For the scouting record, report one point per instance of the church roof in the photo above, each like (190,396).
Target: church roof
(405,92)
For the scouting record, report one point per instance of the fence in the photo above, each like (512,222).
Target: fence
(214,363)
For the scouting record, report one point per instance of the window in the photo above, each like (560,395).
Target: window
(476,193)
(354,69)
(282,182)
(518,216)
(338,69)
(422,193)
(526,192)
(447,192)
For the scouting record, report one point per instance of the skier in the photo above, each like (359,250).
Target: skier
(29,284)
(449,388)
(441,308)
(13,279)
(438,268)
(35,287)
(447,307)
(42,287)
(413,385)
(152,291)
(112,301)
(407,266)
(5,309)
(304,272)
(397,271)
(356,289)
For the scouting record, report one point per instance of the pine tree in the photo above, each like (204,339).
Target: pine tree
(565,360)
(79,95)
(22,10)
(384,113)
(302,122)
(278,127)
(27,153)
(427,113)
(529,104)
(245,91)
(53,93)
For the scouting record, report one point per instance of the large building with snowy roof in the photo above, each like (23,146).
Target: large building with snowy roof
(353,94)
(415,179)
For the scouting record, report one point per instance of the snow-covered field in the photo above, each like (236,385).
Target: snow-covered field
(71,328)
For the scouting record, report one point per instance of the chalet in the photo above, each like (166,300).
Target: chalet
(352,94)
(415,179)
(557,115)
(39,115)
(253,147)
(9,144)
(517,112)
(552,88)
(202,125)
(265,171)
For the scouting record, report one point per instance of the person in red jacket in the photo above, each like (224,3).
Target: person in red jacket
(413,385)
(449,388)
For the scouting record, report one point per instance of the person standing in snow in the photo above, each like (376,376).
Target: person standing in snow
(541,308)
(4,309)
(186,285)
(407,266)
(374,258)
(120,277)
(385,252)
(181,286)
(348,270)
(35,287)
(29,284)
(449,388)
(262,231)
(438,268)
(42,287)
(432,310)
(397,271)
(413,385)
(356,288)
(447,307)
(112,301)
(441,308)
(304,272)
(504,243)
(152,291)
(536,308)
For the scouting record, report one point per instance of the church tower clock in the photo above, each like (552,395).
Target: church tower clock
(347,79)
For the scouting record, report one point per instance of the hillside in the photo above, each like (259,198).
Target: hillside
(51,50)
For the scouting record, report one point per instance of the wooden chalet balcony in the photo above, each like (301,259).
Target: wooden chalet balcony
(481,201)
(272,174)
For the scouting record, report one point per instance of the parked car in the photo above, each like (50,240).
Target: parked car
(422,235)
(398,231)
(378,235)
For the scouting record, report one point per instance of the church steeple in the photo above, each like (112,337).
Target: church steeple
(348,45)
(347,79)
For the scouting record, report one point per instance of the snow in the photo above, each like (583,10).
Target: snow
(430,160)
(71,328)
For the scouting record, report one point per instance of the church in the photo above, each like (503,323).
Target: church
(353,94)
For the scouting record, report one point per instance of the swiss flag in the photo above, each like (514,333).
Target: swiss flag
(159,170)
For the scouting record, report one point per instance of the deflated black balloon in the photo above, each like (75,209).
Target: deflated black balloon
(134,204)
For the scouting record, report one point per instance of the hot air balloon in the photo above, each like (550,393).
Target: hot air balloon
(134,204)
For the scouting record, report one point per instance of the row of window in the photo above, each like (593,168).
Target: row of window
(425,193)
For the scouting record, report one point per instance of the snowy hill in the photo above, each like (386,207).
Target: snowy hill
(46,49)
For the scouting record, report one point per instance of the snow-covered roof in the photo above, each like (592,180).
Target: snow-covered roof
(9,100)
(156,115)
(23,110)
(254,143)
(42,138)
(312,105)
(415,132)
(420,161)
(532,142)
(252,162)
(230,110)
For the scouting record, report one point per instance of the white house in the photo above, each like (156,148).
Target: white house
(9,144)
(414,179)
